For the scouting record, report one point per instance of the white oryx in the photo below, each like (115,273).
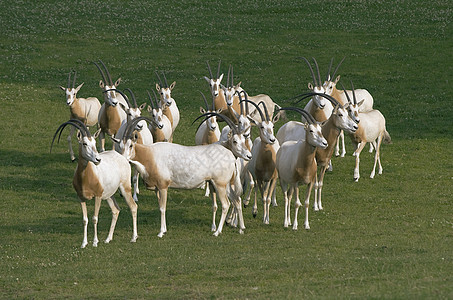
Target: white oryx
(111,115)
(100,175)
(168,165)
(83,109)
(296,164)
(208,132)
(371,130)
(167,103)
(330,87)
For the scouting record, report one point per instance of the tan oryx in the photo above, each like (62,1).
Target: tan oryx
(167,103)
(168,165)
(111,115)
(296,165)
(100,175)
(263,163)
(161,127)
(208,132)
(83,109)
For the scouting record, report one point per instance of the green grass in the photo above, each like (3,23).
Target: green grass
(389,237)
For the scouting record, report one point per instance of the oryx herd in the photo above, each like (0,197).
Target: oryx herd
(226,162)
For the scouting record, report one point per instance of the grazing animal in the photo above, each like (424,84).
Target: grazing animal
(100,175)
(296,164)
(83,109)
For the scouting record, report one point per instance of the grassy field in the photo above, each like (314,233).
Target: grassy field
(390,237)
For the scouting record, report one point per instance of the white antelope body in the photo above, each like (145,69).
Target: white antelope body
(83,109)
(371,130)
(100,175)
(296,164)
(165,165)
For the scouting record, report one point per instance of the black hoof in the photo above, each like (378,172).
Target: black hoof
(254,215)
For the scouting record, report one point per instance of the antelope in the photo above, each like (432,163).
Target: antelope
(168,104)
(144,135)
(110,115)
(165,165)
(161,127)
(371,130)
(263,163)
(296,164)
(339,120)
(218,94)
(318,106)
(330,87)
(208,132)
(100,175)
(83,109)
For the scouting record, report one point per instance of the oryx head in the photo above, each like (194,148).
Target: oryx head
(316,87)
(214,83)
(330,83)
(110,96)
(71,92)
(353,107)
(164,90)
(87,142)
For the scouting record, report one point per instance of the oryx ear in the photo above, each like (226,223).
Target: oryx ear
(219,110)
(306,125)
(276,118)
(101,84)
(78,88)
(230,134)
(335,109)
(207,79)
(310,86)
(158,87)
(117,83)
(202,110)
(135,138)
(361,102)
(64,89)
(79,136)
(221,77)
(149,109)
(172,85)
(337,79)
(141,107)
(223,87)
(322,123)
(239,84)
(96,134)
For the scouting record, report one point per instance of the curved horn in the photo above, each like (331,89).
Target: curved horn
(69,80)
(328,71)
(151,99)
(240,100)
(218,69)
(303,112)
(205,101)
(133,97)
(336,69)
(130,127)
(158,77)
(317,69)
(74,122)
(225,118)
(107,72)
(353,93)
(346,93)
(257,107)
(209,69)
(311,71)
(228,77)
(265,110)
(165,79)
(102,73)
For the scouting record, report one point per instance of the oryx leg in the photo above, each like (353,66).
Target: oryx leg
(287,220)
(377,157)
(221,191)
(307,204)
(97,206)
(85,223)
(273,189)
(162,207)
(357,161)
(71,151)
(214,204)
(297,204)
(115,213)
(266,201)
(126,192)
(320,185)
